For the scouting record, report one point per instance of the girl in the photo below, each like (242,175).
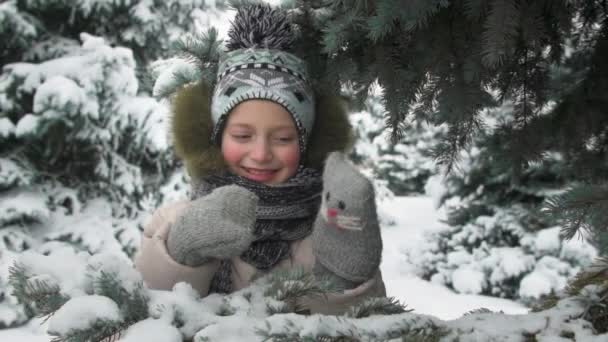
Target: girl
(254,146)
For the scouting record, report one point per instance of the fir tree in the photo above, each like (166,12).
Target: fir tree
(448,61)
(439,61)
(403,167)
(83,147)
(498,242)
(269,309)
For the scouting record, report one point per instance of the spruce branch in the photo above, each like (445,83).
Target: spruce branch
(408,330)
(38,296)
(478,311)
(290,286)
(293,334)
(133,303)
(377,306)
(102,330)
(580,208)
(475,9)
(590,287)
(595,274)
(500,32)
(204,49)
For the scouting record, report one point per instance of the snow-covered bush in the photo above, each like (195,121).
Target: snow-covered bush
(499,242)
(83,147)
(94,297)
(403,167)
(83,155)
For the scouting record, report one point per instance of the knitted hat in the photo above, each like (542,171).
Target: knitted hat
(259,66)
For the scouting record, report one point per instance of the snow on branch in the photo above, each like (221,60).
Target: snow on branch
(103,298)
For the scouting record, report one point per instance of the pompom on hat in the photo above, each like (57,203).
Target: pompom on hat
(259,66)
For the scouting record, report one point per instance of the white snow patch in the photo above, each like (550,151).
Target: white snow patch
(152,330)
(81,312)
(549,275)
(27,125)
(468,280)
(17,204)
(7,128)
(60,94)
(66,267)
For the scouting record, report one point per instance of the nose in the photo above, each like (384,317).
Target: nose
(331,212)
(261,152)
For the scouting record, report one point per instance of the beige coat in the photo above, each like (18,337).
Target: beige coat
(160,271)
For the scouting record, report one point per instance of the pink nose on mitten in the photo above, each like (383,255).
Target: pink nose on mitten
(332,213)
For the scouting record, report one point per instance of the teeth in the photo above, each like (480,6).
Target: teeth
(259,172)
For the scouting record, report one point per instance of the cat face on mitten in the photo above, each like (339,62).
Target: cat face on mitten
(346,195)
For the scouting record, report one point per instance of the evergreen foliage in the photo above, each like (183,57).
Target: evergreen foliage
(447,62)
(83,148)
(45,297)
(375,306)
(497,231)
(291,286)
(40,30)
(404,167)
(120,300)
(69,137)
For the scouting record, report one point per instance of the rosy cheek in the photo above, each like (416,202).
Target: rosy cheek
(232,153)
(291,158)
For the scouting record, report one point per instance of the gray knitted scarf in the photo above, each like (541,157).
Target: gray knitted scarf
(285,213)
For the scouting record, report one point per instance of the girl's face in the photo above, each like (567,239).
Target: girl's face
(260,142)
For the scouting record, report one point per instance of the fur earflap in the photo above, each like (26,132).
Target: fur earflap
(260,26)
(191,127)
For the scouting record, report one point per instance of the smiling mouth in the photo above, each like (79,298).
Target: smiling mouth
(259,171)
(259,175)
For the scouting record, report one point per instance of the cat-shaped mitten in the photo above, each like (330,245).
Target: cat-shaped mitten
(346,238)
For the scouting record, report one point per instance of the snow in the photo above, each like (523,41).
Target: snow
(65,267)
(71,81)
(507,262)
(81,312)
(546,241)
(13,173)
(9,13)
(413,215)
(152,330)
(27,125)
(7,128)
(148,116)
(60,93)
(547,277)
(20,204)
(468,280)
(166,70)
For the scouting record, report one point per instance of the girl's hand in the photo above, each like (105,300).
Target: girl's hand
(346,237)
(217,226)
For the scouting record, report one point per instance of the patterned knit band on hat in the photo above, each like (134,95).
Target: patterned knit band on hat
(259,66)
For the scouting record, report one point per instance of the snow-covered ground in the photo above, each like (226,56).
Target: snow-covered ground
(413,216)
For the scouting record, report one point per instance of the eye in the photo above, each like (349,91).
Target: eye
(241,136)
(284,140)
(327,196)
(341,205)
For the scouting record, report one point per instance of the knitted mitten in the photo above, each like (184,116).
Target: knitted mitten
(346,236)
(219,225)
